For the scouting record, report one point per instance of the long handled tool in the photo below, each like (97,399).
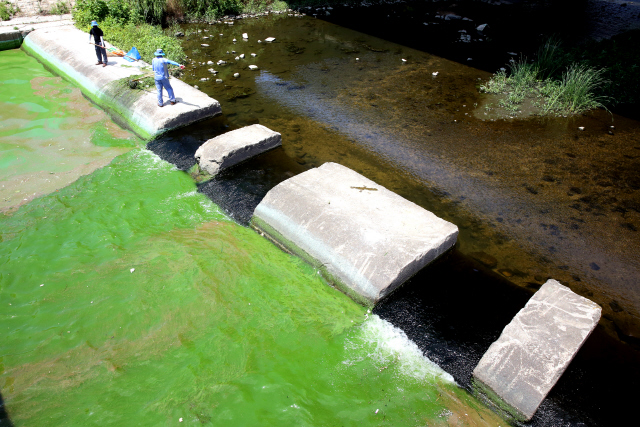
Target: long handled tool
(128,56)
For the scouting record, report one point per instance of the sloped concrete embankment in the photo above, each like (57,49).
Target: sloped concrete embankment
(66,51)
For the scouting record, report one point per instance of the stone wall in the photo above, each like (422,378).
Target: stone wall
(38,7)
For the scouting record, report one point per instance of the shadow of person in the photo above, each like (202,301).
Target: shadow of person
(182,101)
(4,417)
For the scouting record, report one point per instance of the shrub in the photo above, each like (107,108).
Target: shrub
(86,11)
(59,8)
(7,10)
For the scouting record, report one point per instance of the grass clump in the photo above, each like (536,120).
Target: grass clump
(577,89)
(576,92)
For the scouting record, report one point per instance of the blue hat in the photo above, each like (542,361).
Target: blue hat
(94,23)
(159,52)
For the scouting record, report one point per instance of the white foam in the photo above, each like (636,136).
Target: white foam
(389,347)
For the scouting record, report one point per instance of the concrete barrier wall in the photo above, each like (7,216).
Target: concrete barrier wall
(66,52)
(10,40)
(365,239)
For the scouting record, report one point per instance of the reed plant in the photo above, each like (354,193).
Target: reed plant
(577,91)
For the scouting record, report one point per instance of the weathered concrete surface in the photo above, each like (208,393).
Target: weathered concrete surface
(10,40)
(66,51)
(234,147)
(365,239)
(520,368)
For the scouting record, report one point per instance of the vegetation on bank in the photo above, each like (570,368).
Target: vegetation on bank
(597,74)
(128,23)
(7,10)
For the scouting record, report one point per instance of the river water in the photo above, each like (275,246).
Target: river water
(130,298)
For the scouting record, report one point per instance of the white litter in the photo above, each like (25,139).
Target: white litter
(269,39)
(132,270)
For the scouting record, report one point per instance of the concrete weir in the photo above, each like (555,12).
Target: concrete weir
(10,40)
(234,147)
(365,239)
(66,51)
(522,366)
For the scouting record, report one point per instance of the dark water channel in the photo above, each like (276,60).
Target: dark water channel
(533,198)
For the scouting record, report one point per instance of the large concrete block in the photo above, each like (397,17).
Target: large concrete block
(234,147)
(66,51)
(365,239)
(520,368)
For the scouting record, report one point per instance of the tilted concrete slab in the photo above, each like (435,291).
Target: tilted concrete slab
(66,51)
(234,147)
(365,239)
(520,368)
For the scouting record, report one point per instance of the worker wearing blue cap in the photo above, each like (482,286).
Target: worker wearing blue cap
(98,35)
(160,66)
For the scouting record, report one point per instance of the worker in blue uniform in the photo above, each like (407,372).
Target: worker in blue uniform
(160,66)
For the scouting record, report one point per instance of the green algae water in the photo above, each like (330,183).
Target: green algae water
(128,298)
(49,134)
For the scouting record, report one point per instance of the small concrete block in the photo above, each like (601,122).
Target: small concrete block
(365,239)
(236,146)
(520,368)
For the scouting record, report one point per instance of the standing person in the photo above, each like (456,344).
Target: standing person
(97,34)
(160,67)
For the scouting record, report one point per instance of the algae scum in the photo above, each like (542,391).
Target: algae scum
(128,298)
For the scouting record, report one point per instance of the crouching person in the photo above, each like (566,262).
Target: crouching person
(160,66)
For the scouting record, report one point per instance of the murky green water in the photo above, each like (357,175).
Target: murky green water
(127,298)
(50,134)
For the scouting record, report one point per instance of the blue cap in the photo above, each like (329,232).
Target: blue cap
(94,23)
(159,52)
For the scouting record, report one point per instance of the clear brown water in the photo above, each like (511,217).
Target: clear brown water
(538,196)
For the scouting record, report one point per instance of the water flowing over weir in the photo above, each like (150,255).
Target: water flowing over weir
(237,324)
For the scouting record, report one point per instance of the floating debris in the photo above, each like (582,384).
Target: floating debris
(132,270)
(269,39)
(236,75)
(253,67)
(245,36)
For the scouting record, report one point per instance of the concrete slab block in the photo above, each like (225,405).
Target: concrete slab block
(520,368)
(365,239)
(66,51)
(234,147)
